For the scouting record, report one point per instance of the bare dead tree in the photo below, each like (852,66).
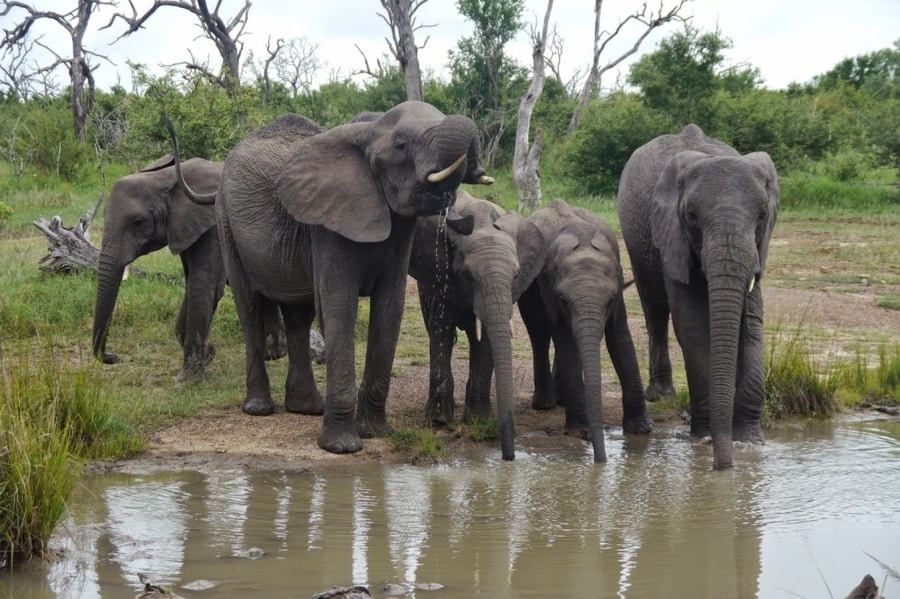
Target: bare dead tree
(297,64)
(224,33)
(15,74)
(555,47)
(400,18)
(650,20)
(81,72)
(527,156)
(267,64)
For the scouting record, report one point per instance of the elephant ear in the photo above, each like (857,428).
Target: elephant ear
(666,227)
(531,249)
(187,221)
(328,182)
(160,163)
(764,162)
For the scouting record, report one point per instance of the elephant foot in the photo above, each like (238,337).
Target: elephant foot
(748,433)
(439,410)
(543,401)
(258,406)
(475,411)
(276,346)
(369,424)
(310,404)
(657,391)
(339,439)
(195,364)
(637,425)
(109,358)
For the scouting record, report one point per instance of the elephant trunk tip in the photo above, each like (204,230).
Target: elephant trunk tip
(507,435)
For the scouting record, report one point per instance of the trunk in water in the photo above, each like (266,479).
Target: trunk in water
(109,278)
(726,304)
(501,347)
(588,336)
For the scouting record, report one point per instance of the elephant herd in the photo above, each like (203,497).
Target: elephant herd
(301,222)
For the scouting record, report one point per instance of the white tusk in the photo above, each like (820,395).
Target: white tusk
(511,329)
(477,329)
(441,175)
(484,180)
(126,273)
(752,284)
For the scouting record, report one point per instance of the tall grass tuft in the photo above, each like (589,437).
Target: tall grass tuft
(52,418)
(861,381)
(796,385)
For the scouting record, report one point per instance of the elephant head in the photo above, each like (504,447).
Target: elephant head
(711,219)
(355,178)
(145,212)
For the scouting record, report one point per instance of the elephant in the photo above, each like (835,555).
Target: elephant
(576,301)
(696,218)
(147,211)
(313,220)
(467,280)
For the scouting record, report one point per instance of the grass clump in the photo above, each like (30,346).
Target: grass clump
(52,419)
(484,429)
(420,444)
(795,384)
(859,381)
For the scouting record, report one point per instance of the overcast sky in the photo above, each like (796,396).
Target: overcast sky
(788,40)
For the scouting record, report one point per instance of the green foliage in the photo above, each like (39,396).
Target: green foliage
(867,382)
(807,190)
(5,212)
(484,429)
(611,129)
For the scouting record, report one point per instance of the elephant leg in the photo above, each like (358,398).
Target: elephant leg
(441,336)
(204,286)
(276,340)
(690,319)
(533,313)
(750,384)
(301,395)
(481,368)
(569,378)
(620,345)
(386,312)
(655,304)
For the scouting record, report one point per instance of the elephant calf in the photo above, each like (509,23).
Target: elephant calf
(147,211)
(467,279)
(697,218)
(575,302)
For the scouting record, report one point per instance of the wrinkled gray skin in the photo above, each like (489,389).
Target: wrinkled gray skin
(146,212)
(316,219)
(697,218)
(576,301)
(464,278)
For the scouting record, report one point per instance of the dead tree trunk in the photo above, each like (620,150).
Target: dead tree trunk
(527,159)
(69,250)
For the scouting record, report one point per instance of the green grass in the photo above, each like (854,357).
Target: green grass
(419,444)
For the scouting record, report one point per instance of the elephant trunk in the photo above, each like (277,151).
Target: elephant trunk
(588,326)
(454,138)
(109,278)
(728,281)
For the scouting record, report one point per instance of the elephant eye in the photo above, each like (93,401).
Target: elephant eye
(763,214)
(691,216)
(400,144)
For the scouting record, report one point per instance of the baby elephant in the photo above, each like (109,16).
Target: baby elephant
(470,280)
(576,301)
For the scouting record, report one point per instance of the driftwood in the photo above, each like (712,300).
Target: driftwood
(69,249)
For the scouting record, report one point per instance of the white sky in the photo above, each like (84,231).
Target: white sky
(788,40)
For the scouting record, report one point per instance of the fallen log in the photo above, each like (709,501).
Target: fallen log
(69,249)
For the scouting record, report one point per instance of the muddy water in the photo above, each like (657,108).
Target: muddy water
(795,518)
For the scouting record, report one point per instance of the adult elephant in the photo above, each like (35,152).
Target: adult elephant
(147,211)
(315,219)
(467,280)
(697,217)
(576,301)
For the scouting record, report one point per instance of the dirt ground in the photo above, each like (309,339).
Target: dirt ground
(288,441)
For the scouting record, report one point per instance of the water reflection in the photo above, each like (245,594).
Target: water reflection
(653,522)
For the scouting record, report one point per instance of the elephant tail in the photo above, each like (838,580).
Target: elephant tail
(205,199)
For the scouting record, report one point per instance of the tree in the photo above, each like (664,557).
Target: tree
(481,68)
(225,35)
(527,156)
(681,78)
(400,18)
(81,72)
(650,20)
